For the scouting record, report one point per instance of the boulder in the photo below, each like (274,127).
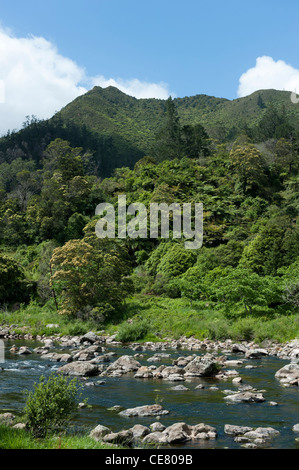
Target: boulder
(203,431)
(261,433)
(178,433)
(289,374)
(205,366)
(296,427)
(143,373)
(123,365)
(80,369)
(157,427)
(99,432)
(123,437)
(255,353)
(155,438)
(233,430)
(179,388)
(245,397)
(146,410)
(172,373)
(91,337)
(7,418)
(139,431)
(24,350)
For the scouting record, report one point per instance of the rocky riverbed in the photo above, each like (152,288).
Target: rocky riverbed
(177,368)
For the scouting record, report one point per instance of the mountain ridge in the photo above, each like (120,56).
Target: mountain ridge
(120,129)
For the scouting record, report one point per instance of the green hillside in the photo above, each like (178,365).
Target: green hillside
(119,129)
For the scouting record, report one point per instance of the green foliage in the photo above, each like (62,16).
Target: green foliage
(134,331)
(13,281)
(89,274)
(50,405)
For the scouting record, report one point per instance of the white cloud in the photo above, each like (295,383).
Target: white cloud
(269,74)
(135,87)
(36,80)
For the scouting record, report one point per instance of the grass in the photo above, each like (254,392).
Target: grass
(156,318)
(21,439)
(34,318)
(174,318)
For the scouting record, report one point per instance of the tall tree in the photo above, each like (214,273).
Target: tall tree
(168,143)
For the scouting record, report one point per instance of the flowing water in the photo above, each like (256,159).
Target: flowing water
(193,406)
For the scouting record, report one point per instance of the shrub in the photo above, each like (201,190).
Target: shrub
(132,331)
(50,405)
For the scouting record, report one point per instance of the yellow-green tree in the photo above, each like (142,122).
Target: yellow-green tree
(89,277)
(247,162)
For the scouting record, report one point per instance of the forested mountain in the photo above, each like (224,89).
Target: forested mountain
(119,129)
(239,158)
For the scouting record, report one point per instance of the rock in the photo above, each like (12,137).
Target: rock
(296,427)
(155,438)
(140,431)
(123,365)
(19,426)
(238,348)
(116,408)
(24,350)
(52,326)
(205,366)
(146,410)
(179,388)
(233,363)
(245,397)
(255,353)
(273,403)
(123,437)
(289,374)
(154,358)
(203,431)
(99,432)
(178,433)
(199,387)
(157,427)
(143,373)
(237,380)
(4,332)
(7,418)
(234,430)
(49,343)
(91,337)
(172,373)
(81,369)
(261,433)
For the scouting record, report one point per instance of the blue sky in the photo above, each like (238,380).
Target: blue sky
(158,47)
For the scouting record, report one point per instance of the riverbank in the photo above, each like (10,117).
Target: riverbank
(149,318)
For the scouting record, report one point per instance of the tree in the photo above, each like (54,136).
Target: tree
(242,288)
(276,245)
(195,141)
(275,123)
(168,143)
(13,286)
(247,162)
(61,157)
(90,277)
(290,283)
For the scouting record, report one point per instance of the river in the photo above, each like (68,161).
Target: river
(193,406)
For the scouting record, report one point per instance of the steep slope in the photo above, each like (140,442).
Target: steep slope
(120,129)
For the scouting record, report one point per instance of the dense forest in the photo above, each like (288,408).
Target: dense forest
(244,170)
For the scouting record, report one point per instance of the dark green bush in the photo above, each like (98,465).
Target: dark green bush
(49,406)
